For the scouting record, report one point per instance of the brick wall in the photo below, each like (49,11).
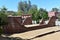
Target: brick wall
(50,14)
(27,21)
(14,25)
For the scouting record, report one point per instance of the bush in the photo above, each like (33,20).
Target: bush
(1,30)
(3,19)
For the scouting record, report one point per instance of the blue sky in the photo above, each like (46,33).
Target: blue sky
(46,4)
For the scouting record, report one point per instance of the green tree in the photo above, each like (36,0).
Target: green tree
(23,7)
(4,10)
(20,8)
(27,8)
(55,9)
(3,16)
(43,13)
(3,19)
(13,13)
(33,10)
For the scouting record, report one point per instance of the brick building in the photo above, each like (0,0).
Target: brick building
(56,14)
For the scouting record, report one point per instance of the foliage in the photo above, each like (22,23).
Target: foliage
(27,8)
(23,7)
(33,11)
(13,13)
(55,9)
(58,18)
(3,16)
(43,13)
(1,31)
(38,14)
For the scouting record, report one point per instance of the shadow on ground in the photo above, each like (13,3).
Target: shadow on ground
(16,38)
(11,38)
(45,34)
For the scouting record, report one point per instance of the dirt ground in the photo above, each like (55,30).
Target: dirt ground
(54,36)
(34,35)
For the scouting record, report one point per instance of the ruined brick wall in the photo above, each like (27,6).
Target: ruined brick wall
(42,21)
(27,21)
(14,25)
(52,21)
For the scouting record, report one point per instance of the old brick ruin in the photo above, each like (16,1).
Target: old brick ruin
(53,13)
(26,19)
(16,23)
